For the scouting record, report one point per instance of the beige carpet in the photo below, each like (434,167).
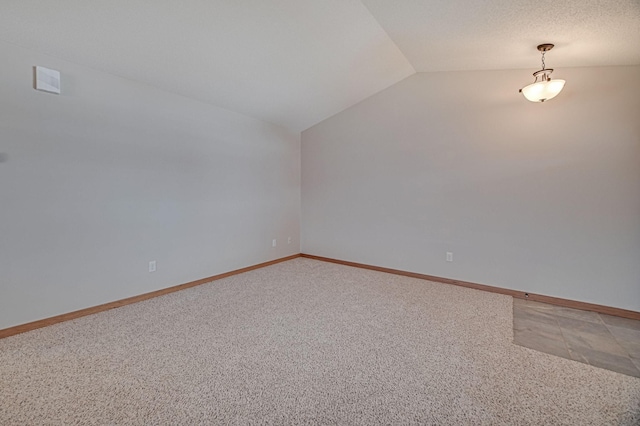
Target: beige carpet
(304,342)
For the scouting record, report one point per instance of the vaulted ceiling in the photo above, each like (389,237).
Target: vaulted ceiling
(297,62)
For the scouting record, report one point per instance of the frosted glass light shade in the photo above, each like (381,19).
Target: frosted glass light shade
(543,90)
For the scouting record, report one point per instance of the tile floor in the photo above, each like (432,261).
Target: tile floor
(600,340)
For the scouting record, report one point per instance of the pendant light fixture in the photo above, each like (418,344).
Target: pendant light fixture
(545,88)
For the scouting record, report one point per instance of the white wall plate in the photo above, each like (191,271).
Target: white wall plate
(47,80)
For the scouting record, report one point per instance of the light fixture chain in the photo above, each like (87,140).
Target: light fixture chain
(543,65)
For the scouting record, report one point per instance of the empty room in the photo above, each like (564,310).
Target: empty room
(351,212)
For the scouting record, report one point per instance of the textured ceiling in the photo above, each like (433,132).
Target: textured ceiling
(503,34)
(296,62)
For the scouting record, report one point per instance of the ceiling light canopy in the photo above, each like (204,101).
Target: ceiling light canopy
(545,88)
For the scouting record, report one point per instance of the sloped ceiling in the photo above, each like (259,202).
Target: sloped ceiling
(297,62)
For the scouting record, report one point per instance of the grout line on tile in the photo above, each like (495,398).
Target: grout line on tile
(618,342)
(564,340)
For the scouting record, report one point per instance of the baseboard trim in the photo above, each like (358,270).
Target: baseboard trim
(514,293)
(23,328)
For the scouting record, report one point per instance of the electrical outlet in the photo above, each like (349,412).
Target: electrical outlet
(289,240)
(152,266)
(449,256)
(274,242)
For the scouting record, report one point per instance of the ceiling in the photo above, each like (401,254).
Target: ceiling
(297,62)
(503,34)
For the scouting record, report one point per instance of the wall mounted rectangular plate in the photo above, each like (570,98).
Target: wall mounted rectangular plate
(47,80)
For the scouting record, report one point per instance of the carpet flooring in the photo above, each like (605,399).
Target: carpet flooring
(304,342)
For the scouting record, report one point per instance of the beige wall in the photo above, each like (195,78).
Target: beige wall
(111,174)
(543,198)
